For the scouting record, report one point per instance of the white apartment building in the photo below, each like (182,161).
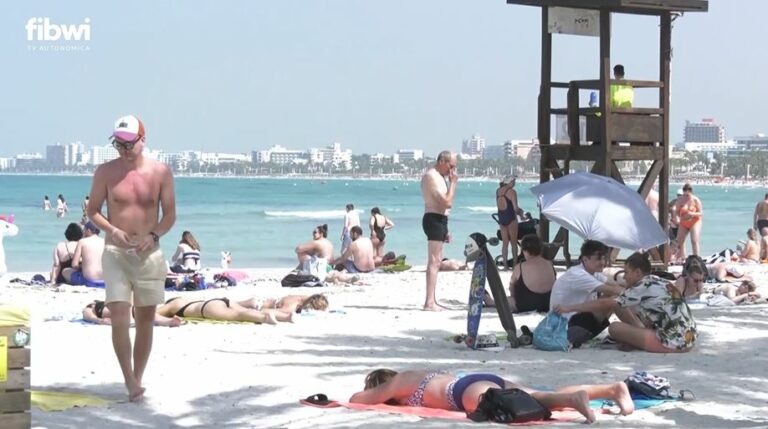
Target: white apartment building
(473,147)
(278,155)
(717,147)
(7,163)
(102,154)
(405,155)
(331,154)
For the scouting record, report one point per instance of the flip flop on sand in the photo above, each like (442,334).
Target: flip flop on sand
(319,400)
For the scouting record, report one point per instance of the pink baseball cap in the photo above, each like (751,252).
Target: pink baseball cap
(128,129)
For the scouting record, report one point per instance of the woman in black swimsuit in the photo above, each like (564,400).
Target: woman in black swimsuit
(220,309)
(63,252)
(532,280)
(213,308)
(508,209)
(97,312)
(379,223)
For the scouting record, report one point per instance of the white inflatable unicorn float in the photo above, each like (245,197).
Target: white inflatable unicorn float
(7,229)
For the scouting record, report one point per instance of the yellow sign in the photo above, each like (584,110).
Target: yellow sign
(3,359)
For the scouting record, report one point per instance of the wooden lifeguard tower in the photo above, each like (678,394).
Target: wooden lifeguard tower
(612,134)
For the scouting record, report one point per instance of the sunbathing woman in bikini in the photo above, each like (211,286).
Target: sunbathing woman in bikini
(220,309)
(97,312)
(461,392)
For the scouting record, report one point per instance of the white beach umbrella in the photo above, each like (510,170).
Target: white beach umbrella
(600,208)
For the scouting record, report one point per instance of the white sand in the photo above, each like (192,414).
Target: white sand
(226,375)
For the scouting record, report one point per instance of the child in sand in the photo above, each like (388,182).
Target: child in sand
(441,390)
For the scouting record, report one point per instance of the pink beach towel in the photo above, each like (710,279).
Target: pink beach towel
(557,416)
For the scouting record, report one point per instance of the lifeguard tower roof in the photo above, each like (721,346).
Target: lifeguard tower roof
(641,7)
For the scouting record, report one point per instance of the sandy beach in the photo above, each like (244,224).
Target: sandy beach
(206,375)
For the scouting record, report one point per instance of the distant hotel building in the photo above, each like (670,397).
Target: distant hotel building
(102,154)
(329,155)
(406,155)
(705,136)
(499,151)
(473,148)
(756,142)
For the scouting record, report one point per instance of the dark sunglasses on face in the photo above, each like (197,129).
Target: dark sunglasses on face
(127,146)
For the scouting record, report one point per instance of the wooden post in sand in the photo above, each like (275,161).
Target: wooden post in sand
(15,370)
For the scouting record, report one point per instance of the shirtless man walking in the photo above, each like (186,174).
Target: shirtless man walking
(135,188)
(438,199)
(761,214)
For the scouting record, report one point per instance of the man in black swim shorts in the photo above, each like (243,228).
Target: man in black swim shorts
(438,198)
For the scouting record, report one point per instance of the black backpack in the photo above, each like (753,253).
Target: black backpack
(298,280)
(508,406)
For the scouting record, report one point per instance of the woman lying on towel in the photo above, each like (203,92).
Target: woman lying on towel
(97,312)
(288,304)
(461,392)
(213,309)
(743,293)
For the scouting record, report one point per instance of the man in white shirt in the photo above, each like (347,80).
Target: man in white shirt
(581,283)
(351,218)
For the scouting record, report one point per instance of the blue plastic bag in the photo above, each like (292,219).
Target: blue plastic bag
(552,333)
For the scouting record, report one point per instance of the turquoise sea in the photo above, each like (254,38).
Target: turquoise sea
(261,220)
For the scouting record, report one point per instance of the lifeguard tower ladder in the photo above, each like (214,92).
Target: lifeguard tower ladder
(643,133)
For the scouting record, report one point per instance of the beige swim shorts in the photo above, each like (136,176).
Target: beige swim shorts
(142,273)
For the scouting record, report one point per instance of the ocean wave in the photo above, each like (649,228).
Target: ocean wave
(306,214)
(482,209)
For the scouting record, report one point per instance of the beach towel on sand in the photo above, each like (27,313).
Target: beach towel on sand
(59,401)
(557,416)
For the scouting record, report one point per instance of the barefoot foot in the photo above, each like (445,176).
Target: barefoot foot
(137,394)
(622,397)
(270,319)
(580,401)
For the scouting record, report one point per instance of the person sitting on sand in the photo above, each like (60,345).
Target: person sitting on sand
(314,255)
(461,392)
(751,251)
(692,277)
(86,267)
(659,321)
(64,251)
(359,256)
(743,293)
(97,312)
(581,283)
(531,283)
(186,259)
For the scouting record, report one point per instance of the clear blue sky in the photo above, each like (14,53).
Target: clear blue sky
(237,75)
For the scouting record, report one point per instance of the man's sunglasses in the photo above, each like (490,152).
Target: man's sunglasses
(127,146)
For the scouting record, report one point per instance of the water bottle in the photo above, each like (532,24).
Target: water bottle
(593,99)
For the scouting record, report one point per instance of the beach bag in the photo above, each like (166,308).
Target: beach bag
(508,406)
(644,385)
(298,280)
(552,333)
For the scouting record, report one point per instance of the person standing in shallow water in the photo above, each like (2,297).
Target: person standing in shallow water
(438,199)
(690,212)
(135,189)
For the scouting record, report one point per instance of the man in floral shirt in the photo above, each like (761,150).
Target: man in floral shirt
(662,323)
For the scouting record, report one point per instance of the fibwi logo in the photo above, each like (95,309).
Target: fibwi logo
(57,37)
